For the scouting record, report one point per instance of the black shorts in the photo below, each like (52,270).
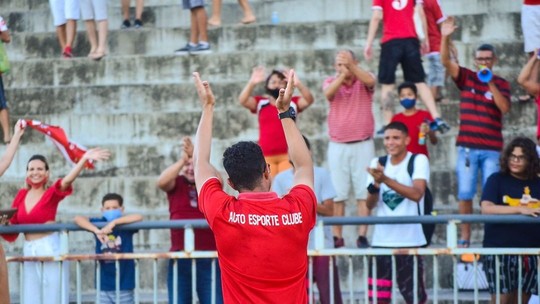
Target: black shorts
(509,272)
(3,101)
(404,51)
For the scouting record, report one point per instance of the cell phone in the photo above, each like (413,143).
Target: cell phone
(9,213)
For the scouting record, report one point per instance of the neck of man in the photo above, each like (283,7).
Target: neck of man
(399,157)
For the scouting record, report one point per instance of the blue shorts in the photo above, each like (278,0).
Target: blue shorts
(191,4)
(487,161)
(3,101)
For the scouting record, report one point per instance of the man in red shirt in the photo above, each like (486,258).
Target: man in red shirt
(261,239)
(400,45)
(436,72)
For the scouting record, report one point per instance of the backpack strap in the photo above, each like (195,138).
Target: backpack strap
(410,169)
(383,160)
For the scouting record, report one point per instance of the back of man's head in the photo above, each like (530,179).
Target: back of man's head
(244,163)
(396,125)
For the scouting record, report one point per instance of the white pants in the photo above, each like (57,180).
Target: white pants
(53,275)
(63,10)
(94,10)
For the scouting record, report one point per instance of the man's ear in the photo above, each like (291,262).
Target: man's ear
(407,140)
(231,184)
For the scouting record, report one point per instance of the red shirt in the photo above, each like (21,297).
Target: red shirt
(261,242)
(480,120)
(531,2)
(413,123)
(398,18)
(434,17)
(44,210)
(183,205)
(271,135)
(350,117)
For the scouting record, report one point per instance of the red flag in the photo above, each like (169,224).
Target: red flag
(71,151)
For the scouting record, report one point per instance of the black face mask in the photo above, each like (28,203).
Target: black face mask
(273,92)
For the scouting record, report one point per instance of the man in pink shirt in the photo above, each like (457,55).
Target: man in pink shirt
(261,239)
(400,45)
(350,126)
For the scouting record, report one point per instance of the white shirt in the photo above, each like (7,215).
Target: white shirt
(393,204)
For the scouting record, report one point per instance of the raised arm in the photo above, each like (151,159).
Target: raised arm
(447,28)
(246,100)
(376,17)
(7,158)
(96,154)
(527,78)
(203,139)
(298,151)
(167,178)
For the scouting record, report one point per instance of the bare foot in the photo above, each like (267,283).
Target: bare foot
(98,55)
(215,22)
(92,53)
(248,19)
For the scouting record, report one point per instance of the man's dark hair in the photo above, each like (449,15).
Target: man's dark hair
(274,72)
(408,85)
(532,169)
(38,157)
(307,142)
(244,163)
(487,47)
(396,125)
(113,197)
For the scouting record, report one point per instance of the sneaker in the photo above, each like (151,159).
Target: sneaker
(439,125)
(185,50)
(380,133)
(201,49)
(67,52)
(126,24)
(138,23)
(362,242)
(338,242)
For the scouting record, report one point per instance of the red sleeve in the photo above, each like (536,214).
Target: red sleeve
(462,77)
(211,199)
(377,4)
(307,201)
(437,12)
(59,193)
(257,99)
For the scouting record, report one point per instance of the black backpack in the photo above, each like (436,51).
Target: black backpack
(428,229)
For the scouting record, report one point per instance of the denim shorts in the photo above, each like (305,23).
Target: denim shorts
(3,101)
(435,77)
(485,161)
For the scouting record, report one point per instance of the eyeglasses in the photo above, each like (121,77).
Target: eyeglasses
(517,158)
(485,59)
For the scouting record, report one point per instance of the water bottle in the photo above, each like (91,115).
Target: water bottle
(421,138)
(275,18)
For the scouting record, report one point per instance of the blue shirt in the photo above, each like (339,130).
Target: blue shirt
(119,242)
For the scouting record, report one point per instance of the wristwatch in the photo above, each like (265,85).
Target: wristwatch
(372,189)
(290,113)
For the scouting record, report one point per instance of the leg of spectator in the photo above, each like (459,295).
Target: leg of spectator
(204,282)
(202,24)
(92,37)
(71,30)
(125,9)
(139,7)
(103,30)
(362,211)
(249,17)
(215,19)
(467,176)
(339,210)
(194,36)
(4,281)
(321,276)
(61,35)
(427,99)
(465,207)
(388,96)
(4,114)
(184,281)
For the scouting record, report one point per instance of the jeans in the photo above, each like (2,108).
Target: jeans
(487,161)
(203,281)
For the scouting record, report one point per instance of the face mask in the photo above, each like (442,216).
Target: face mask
(111,215)
(408,103)
(273,92)
(38,184)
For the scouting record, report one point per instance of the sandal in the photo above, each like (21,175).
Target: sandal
(463,244)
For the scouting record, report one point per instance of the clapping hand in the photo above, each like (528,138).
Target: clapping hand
(258,75)
(187,149)
(283,102)
(206,97)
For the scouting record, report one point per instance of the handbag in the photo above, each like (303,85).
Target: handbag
(466,276)
(4,61)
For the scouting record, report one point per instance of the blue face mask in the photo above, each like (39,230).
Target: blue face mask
(111,215)
(408,103)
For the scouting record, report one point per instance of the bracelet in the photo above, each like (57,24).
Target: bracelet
(372,189)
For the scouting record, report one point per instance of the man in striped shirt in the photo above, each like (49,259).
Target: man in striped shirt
(350,126)
(481,107)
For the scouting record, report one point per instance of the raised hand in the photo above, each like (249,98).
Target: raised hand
(187,148)
(97,154)
(19,127)
(206,97)
(448,26)
(258,75)
(283,102)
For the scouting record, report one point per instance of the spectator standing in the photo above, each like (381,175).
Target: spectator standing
(416,120)
(139,6)
(4,114)
(325,193)
(110,240)
(65,14)
(436,72)
(178,181)
(350,126)
(396,192)
(400,45)
(198,41)
(215,19)
(516,181)
(271,135)
(481,107)
(529,79)
(261,239)
(95,11)
(37,204)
